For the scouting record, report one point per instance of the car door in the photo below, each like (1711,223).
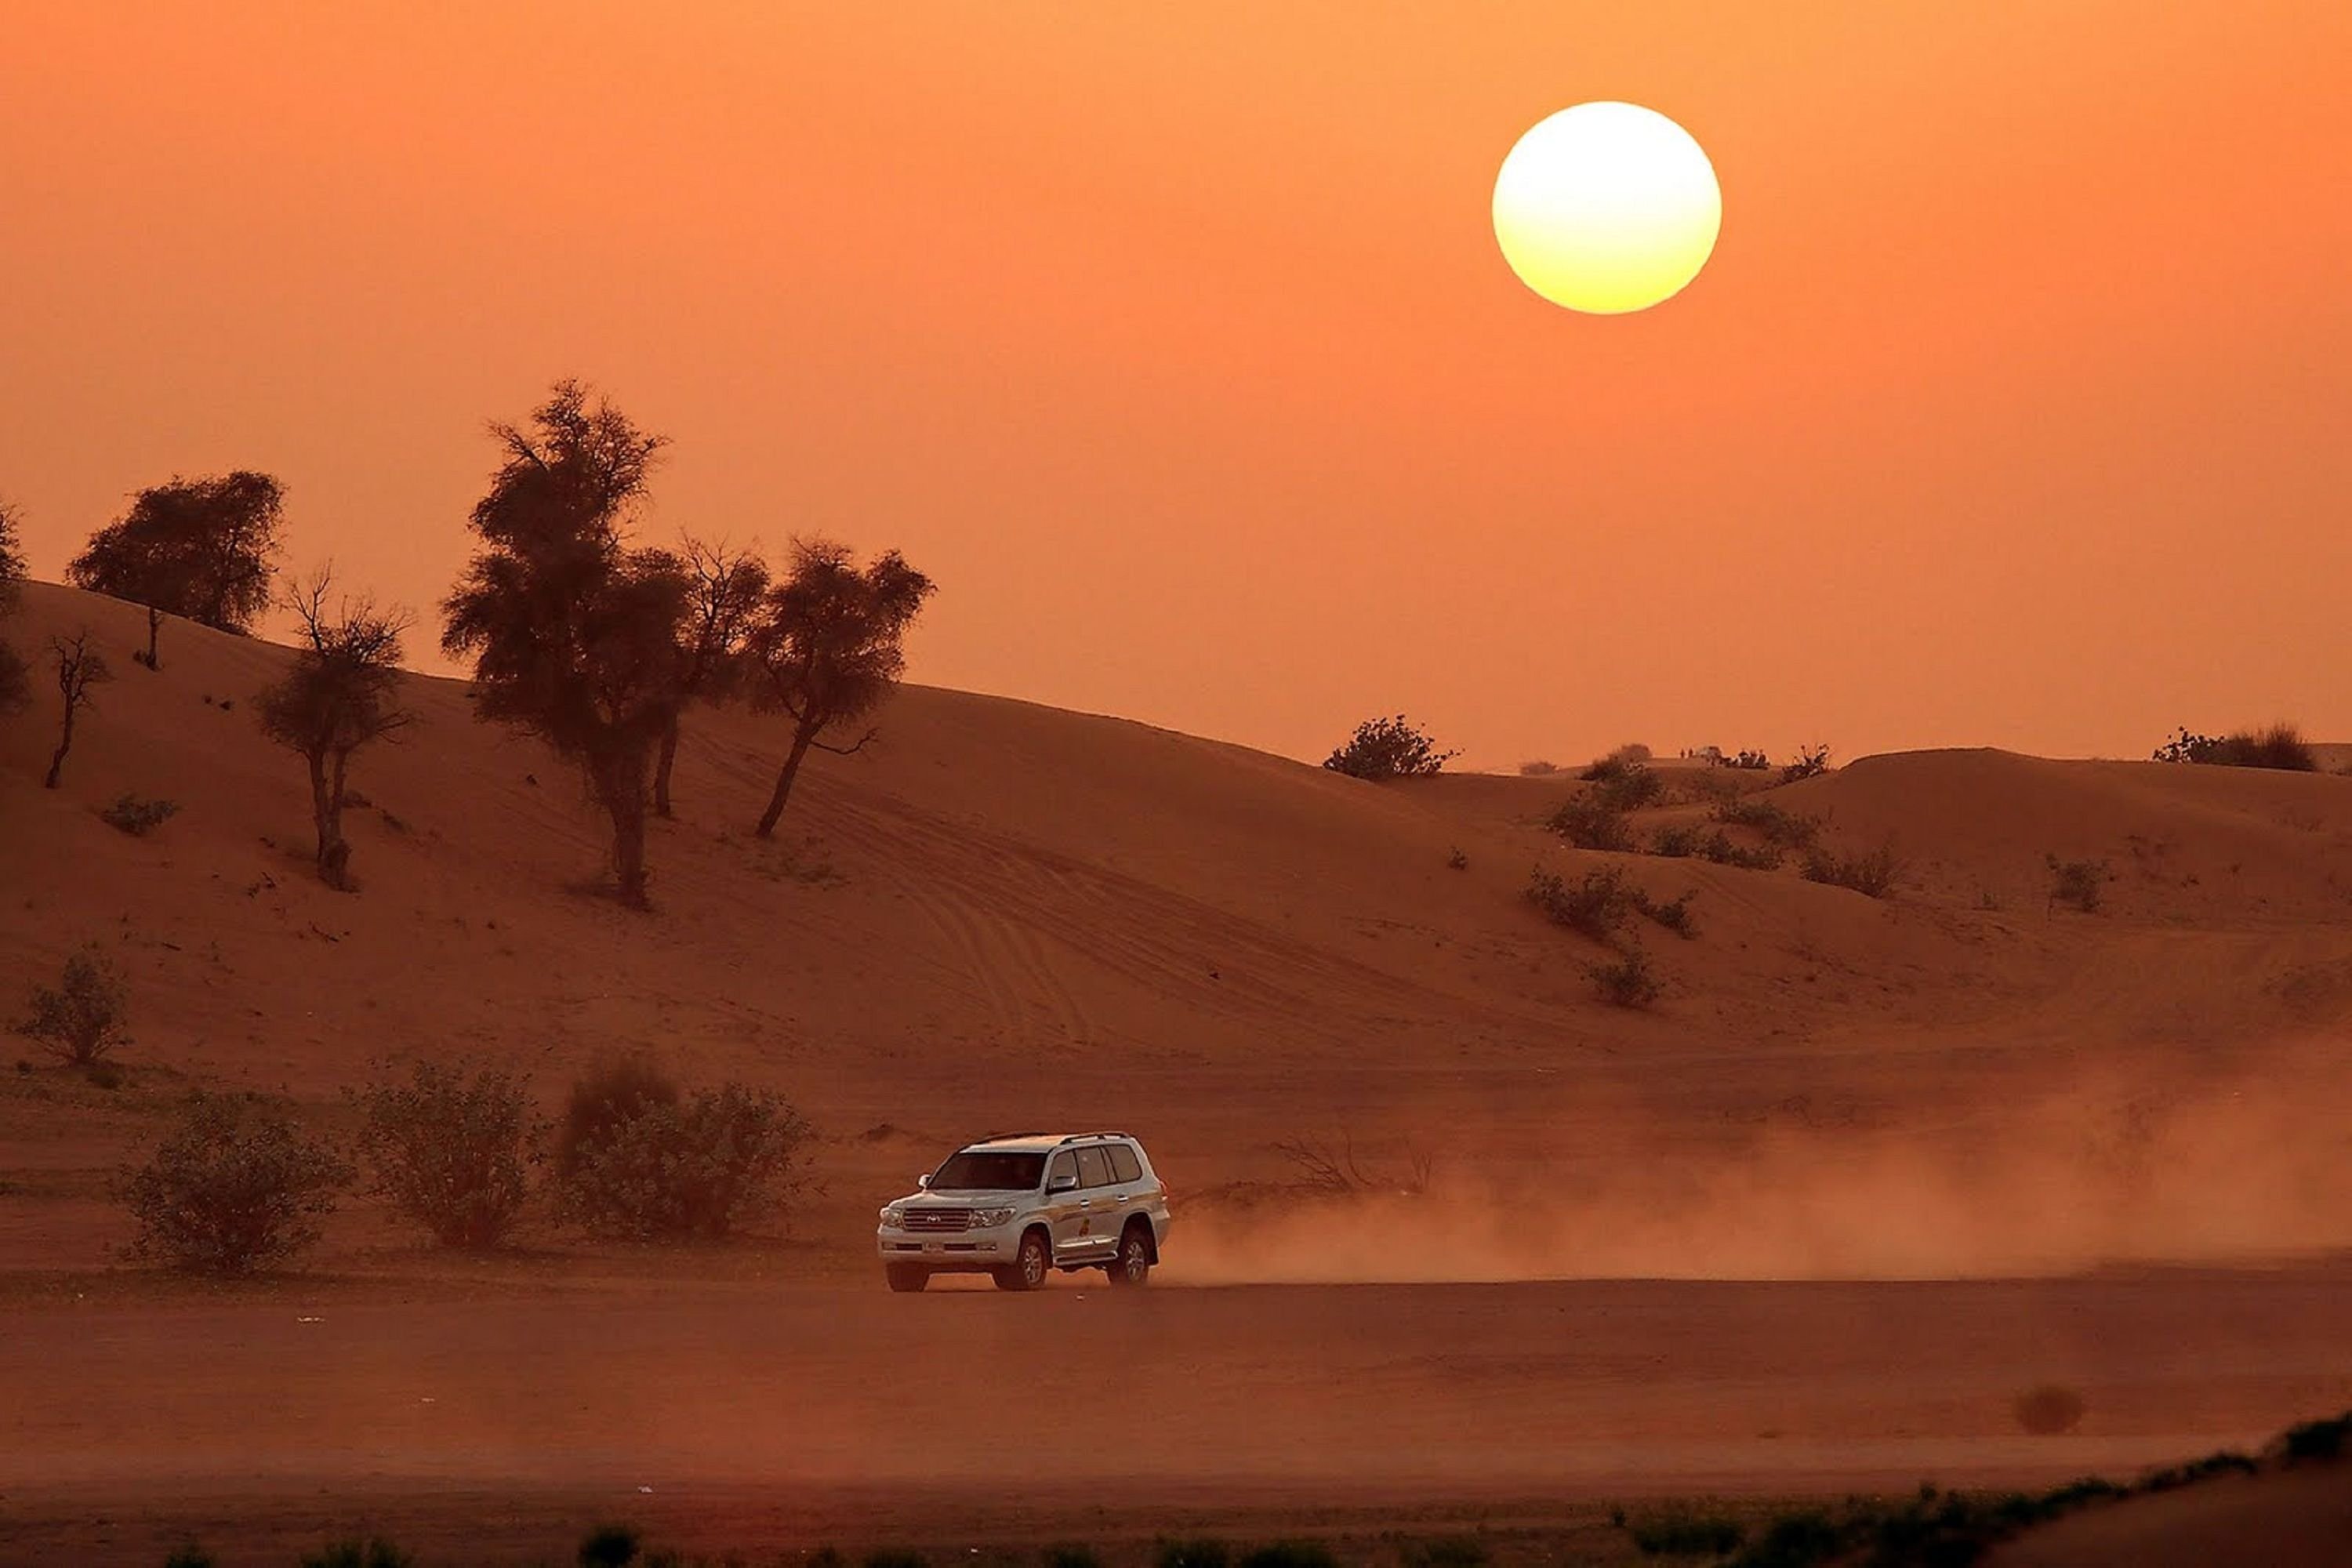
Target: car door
(1066,1205)
(1098,1235)
(1127,1185)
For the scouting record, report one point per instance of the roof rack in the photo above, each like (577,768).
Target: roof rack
(1079,1137)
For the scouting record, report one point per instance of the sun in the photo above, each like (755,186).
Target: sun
(1607,209)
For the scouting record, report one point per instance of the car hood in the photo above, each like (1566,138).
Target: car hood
(992,1198)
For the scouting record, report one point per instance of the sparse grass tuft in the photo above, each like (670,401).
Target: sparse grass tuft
(1870,873)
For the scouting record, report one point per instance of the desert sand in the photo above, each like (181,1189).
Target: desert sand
(1870,1169)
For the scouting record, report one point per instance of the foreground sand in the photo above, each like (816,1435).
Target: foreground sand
(766,1418)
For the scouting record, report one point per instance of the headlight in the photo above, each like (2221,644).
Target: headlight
(894,1215)
(989,1219)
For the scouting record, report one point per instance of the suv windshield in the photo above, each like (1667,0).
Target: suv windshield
(975,1170)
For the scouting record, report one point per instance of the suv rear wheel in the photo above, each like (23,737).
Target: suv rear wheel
(1132,1266)
(906,1276)
(1030,1265)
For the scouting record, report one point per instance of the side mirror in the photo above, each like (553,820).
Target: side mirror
(924,1181)
(1063,1184)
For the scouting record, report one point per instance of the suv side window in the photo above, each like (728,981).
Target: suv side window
(1094,1171)
(1063,1165)
(1124,1166)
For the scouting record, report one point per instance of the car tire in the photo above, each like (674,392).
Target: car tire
(1030,1265)
(1131,1267)
(906,1276)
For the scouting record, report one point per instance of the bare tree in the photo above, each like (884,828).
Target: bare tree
(79,667)
(341,694)
(828,647)
(572,634)
(204,549)
(729,587)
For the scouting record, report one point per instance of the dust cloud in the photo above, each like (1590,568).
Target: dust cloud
(2254,1167)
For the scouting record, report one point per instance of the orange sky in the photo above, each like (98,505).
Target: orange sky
(1173,341)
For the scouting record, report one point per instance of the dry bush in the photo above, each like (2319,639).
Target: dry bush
(138,816)
(234,1188)
(692,1169)
(1871,873)
(1623,782)
(1812,761)
(1597,906)
(2282,746)
(1683,840)
(2078,883)
(1339,1172)
(86,1015)
(1387,749)
(1674,914)
(1537,768)
(450,1150)
(621,1089)
(1780,826)
(1589,823)
(1629,981)
(2048,1410)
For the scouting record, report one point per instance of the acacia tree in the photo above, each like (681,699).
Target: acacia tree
(572,634)
(79,667)
(342,694)
(203,549)
(15,684)
(827,647)
(728,589)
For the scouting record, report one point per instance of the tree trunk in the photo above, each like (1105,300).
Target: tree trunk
(802,738)
(662,766)
(629,850)
(64,744)
(327,812)
(154,625)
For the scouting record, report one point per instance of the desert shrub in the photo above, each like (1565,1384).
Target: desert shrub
(1201,1554)
(1684,1532)
(189,1555)
(2281,746)
(449,1150)
(1623,783)
(1289,1554)
(1721,849)
(611,1095)
(609,1546)
(1628,982)
(1812,761)
(138,816)
(86,1015)
(692,1169)
(1778,826)
(1677,840)
(1457,859)
(1748,762)
(1597,906)
(2323,1439)
(1870,873)
(374,1552)
(2048,1410)
(2171,1478)
(234,1188)
(1674,914)
(2077,883)
(1589,823)
(1067,1556)
(1387,749)
(1537,768)
(1794,1540)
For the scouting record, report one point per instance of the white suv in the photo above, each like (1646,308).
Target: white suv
(1016,1207)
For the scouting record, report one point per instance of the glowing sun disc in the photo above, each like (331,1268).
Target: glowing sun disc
(1607,207)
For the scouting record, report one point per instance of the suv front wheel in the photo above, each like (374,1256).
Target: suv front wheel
(906,1276)
(1132,1266)
(1030,1265)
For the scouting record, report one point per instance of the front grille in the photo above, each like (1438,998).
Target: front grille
(936,1222)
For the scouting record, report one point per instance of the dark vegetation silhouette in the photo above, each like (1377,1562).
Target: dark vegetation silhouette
(1870,872)
(827,646)
(1393,748)
(341,695)
(1812,761)
(729,587)
(449,1148)
(574,634)
(2078,884)
(15,679)
(637,1159)
(137,814)
(77,667)
(201,548)
(86,1016)
(235,1188)
(2282,746)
